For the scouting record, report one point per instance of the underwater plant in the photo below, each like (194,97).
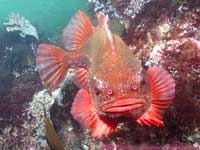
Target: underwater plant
(19,23)
(51,135)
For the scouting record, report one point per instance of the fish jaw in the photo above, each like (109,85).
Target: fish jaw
(125,107)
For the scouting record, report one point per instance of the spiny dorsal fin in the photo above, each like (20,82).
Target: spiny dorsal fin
(77,31)
(103,23)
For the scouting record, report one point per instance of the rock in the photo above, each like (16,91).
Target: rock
(6,78)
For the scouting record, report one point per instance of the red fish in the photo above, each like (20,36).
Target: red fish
(113,86)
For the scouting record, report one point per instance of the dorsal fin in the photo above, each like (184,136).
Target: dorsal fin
(103,23)
(77,31)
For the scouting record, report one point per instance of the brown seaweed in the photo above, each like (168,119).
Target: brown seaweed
(51,135)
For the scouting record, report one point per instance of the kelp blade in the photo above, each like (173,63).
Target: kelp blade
(52,137)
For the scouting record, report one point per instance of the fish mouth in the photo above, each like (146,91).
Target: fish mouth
(123,105)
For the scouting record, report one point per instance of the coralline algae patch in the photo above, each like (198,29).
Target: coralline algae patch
(118,8)
(172,41)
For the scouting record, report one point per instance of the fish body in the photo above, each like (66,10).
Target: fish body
(113,86)
(113,73)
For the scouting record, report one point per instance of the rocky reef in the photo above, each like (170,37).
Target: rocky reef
(171,40)
(19,82)
(160,32)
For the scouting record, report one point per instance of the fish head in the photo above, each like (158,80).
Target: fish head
(119,92)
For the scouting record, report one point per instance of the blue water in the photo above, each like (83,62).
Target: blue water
(49,16)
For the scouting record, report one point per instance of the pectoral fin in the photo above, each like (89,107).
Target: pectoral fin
(80,77)
(83,112)
(162,87)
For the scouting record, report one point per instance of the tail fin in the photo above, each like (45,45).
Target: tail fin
(50,62)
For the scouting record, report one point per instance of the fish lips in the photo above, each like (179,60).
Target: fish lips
(123,105)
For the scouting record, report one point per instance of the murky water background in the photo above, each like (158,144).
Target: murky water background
(49,16)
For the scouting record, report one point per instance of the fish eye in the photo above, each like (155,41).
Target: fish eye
(96,90)
(109,92)
(134,87)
